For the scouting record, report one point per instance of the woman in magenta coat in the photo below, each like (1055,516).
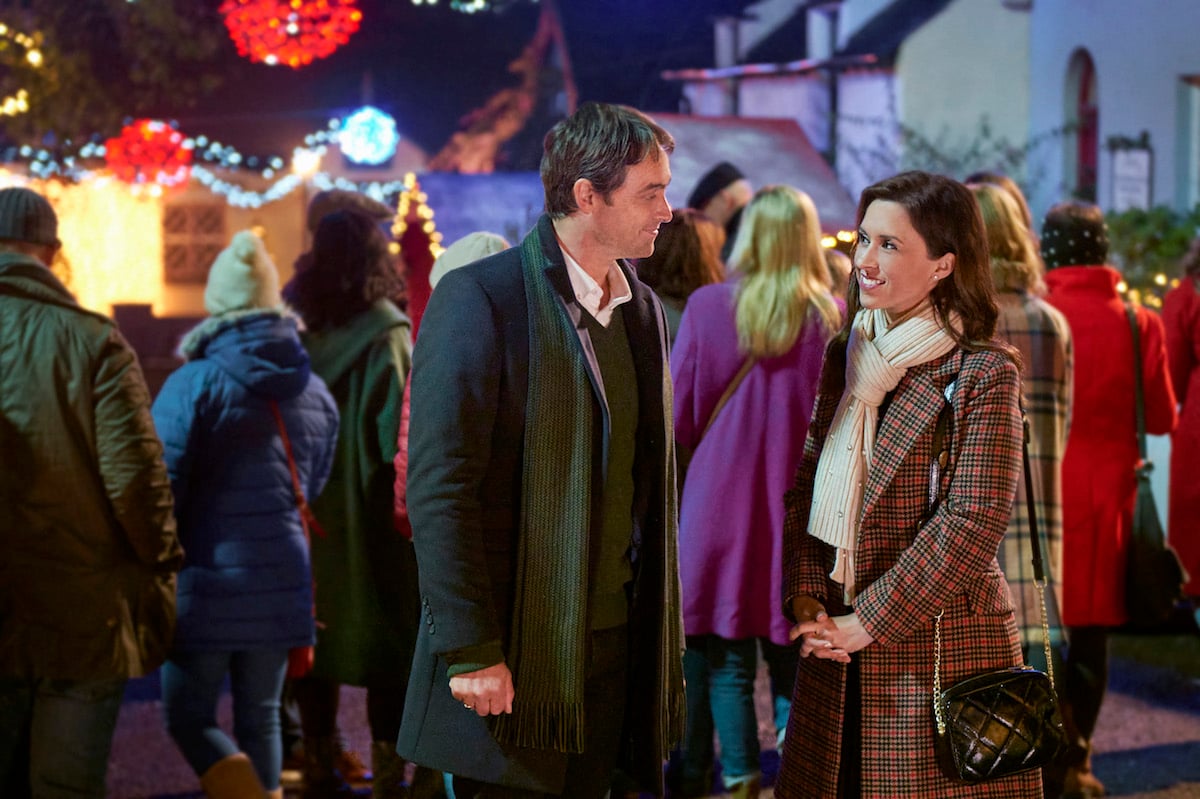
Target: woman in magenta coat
(1181,317)
(1098,468)
(775,316)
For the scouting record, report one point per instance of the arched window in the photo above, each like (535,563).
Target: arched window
(1083,115)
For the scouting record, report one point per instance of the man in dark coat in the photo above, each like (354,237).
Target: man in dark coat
(88,550)
(541,490)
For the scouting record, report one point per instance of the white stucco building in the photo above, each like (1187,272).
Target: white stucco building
(1118,69)
(1040,89)
(878,85)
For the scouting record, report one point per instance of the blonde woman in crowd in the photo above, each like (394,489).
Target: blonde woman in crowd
(1041,333)
(754,344)
(1043,337)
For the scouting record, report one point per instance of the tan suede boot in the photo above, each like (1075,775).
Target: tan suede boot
(232,778)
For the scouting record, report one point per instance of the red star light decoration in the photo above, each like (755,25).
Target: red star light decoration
(292,32)
(149,151)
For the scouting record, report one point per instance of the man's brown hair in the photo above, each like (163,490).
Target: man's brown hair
(597,143)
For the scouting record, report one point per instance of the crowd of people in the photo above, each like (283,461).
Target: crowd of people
(629,458)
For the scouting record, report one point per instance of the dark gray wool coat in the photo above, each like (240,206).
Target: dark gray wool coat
(469,390)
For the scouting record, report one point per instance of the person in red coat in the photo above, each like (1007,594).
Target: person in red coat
(1098,467)
(1181,317)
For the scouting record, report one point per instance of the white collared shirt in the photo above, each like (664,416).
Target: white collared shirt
(589,292)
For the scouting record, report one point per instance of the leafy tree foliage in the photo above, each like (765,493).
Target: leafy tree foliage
(105,61)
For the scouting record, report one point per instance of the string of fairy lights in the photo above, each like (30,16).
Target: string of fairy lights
(152,155)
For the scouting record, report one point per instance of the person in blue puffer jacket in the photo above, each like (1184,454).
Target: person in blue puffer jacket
(245,593)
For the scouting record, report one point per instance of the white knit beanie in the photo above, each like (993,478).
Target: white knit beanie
(469,248)
(242,277)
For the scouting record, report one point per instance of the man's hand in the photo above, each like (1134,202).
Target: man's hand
(488,692)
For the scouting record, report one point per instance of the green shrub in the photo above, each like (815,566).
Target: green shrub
(1146,245)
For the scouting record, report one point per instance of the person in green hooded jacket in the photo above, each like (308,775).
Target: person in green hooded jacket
(367,604)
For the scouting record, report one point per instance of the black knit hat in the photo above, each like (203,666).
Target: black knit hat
(27,216)
(712,182)
(1074,234)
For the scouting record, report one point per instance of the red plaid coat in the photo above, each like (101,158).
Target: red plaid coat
(910,571)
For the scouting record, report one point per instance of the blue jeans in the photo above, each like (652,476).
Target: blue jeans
(720,677)
(55,736)
(191,687)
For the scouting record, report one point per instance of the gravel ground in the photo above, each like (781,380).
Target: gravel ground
(1147,744)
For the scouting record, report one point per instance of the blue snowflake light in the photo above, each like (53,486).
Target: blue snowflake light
(368,136)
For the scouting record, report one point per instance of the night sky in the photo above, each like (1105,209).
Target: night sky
(429,66)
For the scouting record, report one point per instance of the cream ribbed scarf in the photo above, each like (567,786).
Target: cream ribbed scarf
(876,359)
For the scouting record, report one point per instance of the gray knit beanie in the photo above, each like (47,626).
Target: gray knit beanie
(27,216)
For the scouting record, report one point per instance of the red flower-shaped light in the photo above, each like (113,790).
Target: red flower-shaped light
(149,151)
(292,32)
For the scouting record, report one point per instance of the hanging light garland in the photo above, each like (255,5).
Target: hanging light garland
(149,152)
(81,165)
(291,32)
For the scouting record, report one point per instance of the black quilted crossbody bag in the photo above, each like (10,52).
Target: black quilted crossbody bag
(1000,722)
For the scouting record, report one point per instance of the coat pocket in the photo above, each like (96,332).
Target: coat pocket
(988,595)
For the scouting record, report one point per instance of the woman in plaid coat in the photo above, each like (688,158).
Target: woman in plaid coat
(1042,335)
(867,569)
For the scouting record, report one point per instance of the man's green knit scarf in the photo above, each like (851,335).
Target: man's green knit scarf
(548,648)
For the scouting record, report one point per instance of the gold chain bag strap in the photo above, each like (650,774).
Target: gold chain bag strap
(1006,721)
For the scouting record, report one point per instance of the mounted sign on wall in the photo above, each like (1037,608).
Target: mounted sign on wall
(1132,171)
